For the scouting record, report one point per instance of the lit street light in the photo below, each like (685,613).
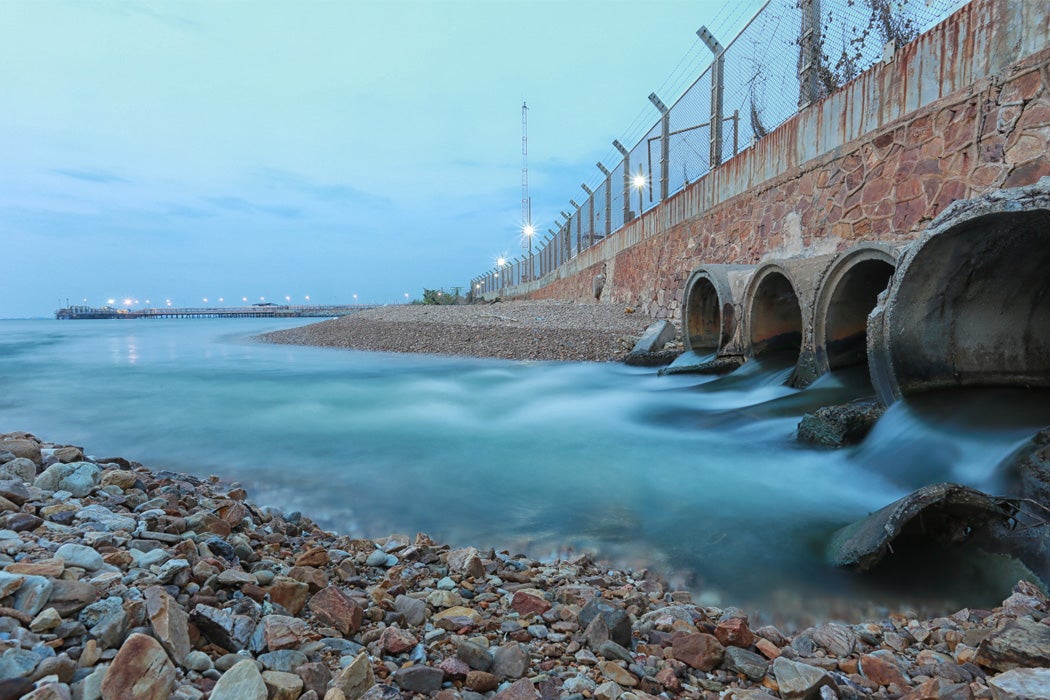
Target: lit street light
(639,184)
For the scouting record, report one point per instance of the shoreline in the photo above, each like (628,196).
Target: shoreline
(150,584)
(518,330)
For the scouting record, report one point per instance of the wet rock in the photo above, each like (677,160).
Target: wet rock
(800,681)
(938,513)
(655,337)
(336,609)
(1021,643)
(699,650)
(242,682)
(140,671)
(419,679)
(1021,684)
(838,426)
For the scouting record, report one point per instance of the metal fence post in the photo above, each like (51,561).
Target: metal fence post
(626,179)
(809,53)
(590,216)
(608,198)
(717,88)
(665,144)
(579,227)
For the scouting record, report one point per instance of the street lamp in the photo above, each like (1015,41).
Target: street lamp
(528,230)
(639,184)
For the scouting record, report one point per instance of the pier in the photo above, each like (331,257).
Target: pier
(77,313)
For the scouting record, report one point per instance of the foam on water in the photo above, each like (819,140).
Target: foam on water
(699,476)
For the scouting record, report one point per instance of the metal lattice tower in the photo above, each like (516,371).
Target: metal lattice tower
(526,202)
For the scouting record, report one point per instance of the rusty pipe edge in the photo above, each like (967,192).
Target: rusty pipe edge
(711,309)
(969,303)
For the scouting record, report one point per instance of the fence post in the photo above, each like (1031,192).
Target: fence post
(665,144)
(579,226)
(809,53)
(608,198)
(590,216)
(626,180)
(717,88)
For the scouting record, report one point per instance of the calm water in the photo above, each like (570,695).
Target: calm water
(698,477)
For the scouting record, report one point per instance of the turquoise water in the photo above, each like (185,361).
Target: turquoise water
(697,477)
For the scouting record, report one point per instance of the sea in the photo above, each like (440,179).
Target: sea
(697,478)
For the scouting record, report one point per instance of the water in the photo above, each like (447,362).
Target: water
(697,477)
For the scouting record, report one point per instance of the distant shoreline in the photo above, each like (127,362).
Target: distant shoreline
(520,330)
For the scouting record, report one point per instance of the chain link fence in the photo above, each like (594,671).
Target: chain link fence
(789,55)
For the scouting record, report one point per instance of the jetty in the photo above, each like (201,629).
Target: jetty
(78,313)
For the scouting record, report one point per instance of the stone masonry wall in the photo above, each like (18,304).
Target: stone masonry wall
(882,187)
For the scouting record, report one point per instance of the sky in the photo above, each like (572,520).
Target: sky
(273,149)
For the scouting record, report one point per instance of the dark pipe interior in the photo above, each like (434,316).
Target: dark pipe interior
(776,318)
(974,306)
(854,297)
(705,321)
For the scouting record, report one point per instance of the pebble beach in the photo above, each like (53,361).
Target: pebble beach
(519,330)
(119,581)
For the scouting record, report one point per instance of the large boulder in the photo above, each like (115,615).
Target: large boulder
(79,478)
(838,426)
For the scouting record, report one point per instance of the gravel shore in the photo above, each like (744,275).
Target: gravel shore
(520,330)
(120,582)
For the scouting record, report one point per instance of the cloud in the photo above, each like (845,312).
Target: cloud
(89,175)
(244,206)
(332,192)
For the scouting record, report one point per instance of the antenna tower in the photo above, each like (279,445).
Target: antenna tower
(526,201)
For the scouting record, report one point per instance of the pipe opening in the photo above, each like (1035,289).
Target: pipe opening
(973,307)
(776,317)
(851,301)
(704,322)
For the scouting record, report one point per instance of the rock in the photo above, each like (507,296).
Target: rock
(106,518)
(747,662)
(70,597)
(1021,684)
(26,449)
(734,632)
(140,671)
(235,577)
(616,620)
(9,583)
(525,604)
(282,686)
(474,655)
(882,670)
(198,661)
(289,594)
(354,680)
(336,609)
(20,468)
(454,618)
(16,662)
(414,610)
(14,490)
(242,682)
(608,691)
(455,669)
(481,681)
(837,640)
(419,679)
(444,599)
(700,651)
(122,478)
(938,507)
(231,632)
(838,426)
(467,562)
(316,677)
(276,632)
(13,688)
(169,622)
(800,681)
(617,674)
(81,556)
(79,478)
(32,595)
(657,335)
(1021,643)
(519,690)
(286,660)
(22,522)
(613,651)
(397,641)
(510,661)
(46,620)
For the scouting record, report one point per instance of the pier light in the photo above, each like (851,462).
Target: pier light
(287,298)
(355,298)
(205,300)
(501,261)
(127,302)
(308,297)
(168,302)
(244,299)
(111,301)
(221,300)
(262,298)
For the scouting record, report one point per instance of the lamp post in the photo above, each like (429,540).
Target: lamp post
(528,230)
